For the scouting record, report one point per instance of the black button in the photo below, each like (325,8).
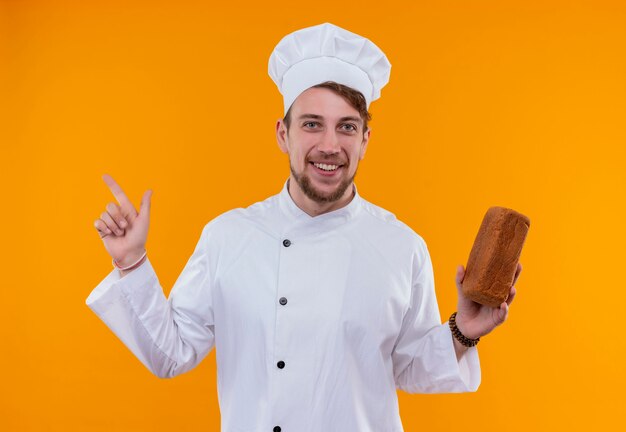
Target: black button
(280,364)
(286,242)
(276,429)
(283,301)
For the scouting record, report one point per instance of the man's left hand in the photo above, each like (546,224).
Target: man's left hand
(475,320)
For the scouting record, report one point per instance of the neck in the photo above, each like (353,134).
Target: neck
(315,208)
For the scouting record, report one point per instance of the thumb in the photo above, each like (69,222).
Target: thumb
(145,203)
(460,275)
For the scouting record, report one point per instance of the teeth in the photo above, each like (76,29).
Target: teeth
(326,167)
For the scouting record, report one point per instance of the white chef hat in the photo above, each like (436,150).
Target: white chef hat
(325,52)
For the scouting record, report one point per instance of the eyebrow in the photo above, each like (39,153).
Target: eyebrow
(313,116)
(319,117)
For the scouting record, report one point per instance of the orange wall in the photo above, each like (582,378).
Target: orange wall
(520,104)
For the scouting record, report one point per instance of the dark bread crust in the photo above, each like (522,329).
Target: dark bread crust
(493,260)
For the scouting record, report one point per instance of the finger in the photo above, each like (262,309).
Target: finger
(503,312)
(111,224)
(518,270)
(146,202)
(512,293)
(120,196)
(116,214)
(460,275)
(101,227)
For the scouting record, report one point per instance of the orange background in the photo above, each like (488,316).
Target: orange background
(520,104)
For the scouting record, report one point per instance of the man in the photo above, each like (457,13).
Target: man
(319,303)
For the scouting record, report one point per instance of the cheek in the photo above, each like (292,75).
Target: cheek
(297,158)
(357,153)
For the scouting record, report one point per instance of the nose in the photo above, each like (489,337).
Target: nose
(329,143)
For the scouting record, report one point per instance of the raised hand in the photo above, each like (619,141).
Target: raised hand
(475,320)
(124,232)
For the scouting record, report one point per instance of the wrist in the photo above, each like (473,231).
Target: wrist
(130,261)
(464,328)
(465,339)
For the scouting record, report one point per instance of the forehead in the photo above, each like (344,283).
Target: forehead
(322,102)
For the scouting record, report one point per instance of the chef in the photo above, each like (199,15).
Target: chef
(319,303)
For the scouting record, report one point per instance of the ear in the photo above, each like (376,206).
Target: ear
(281,136)
(366,140)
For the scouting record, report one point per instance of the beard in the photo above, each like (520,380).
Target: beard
(316,195)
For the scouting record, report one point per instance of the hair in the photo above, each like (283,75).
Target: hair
(354,97)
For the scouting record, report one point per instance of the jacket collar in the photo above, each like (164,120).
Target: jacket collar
(297,219)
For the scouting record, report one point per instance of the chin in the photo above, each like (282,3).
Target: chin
(322,194)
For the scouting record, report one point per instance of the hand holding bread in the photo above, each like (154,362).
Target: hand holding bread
(475,320)
(487,287)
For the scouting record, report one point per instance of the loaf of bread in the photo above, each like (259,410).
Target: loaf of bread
(493,260)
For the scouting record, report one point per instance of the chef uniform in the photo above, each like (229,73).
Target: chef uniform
(316,320)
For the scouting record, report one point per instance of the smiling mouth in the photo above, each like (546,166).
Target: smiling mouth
(326,167)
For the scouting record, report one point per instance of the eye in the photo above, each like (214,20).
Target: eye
(310,124)
(348,127)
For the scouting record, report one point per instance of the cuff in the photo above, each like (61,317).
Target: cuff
(468,365)
(109,290)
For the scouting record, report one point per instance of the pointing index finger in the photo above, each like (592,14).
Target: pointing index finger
(120,196)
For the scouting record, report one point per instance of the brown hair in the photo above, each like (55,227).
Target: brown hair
(353,97)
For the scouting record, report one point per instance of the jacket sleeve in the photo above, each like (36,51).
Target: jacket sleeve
(424,358)
(169,336)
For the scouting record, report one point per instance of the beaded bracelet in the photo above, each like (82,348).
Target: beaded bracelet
(132,266)
(464,340)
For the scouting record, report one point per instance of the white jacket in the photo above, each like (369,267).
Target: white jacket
(316,320)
